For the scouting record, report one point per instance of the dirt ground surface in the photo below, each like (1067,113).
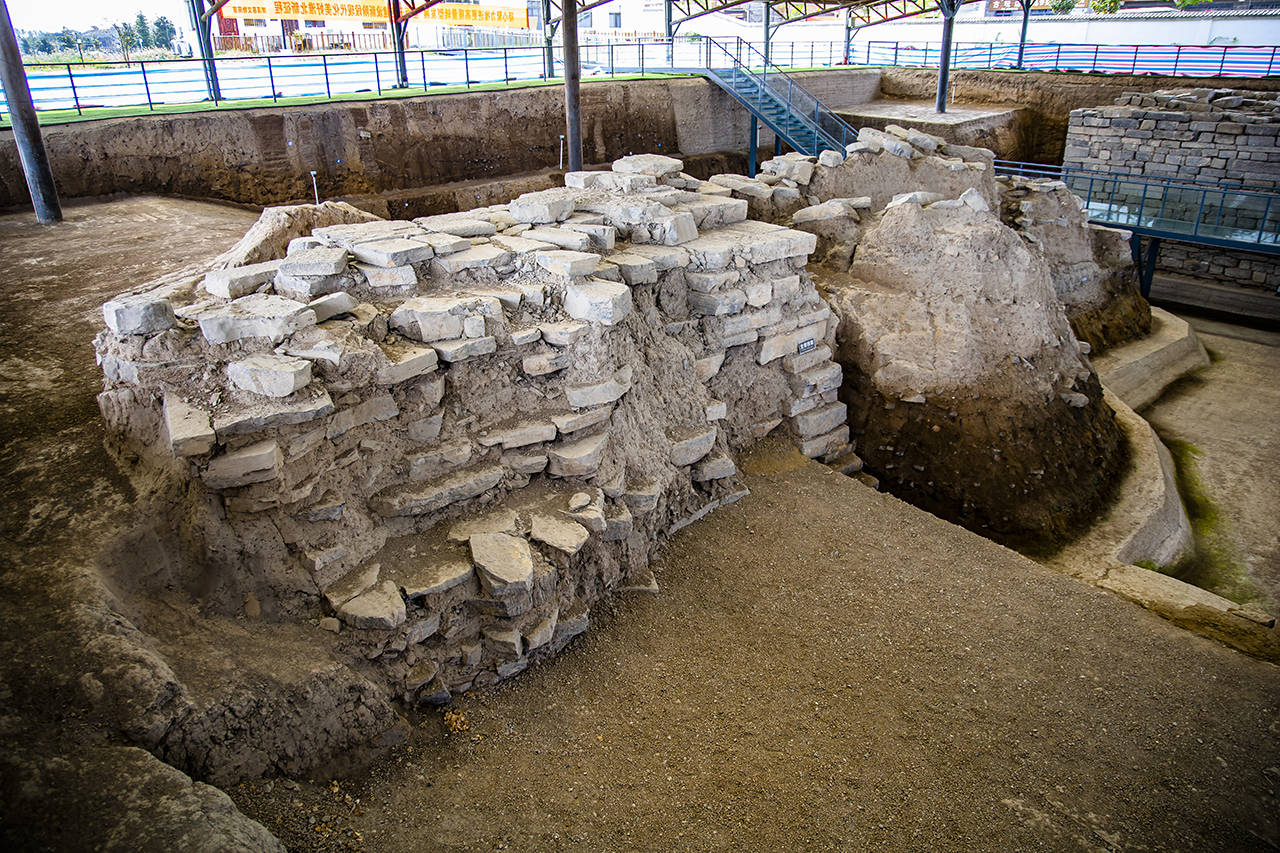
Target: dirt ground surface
(825,668)
(1227,413)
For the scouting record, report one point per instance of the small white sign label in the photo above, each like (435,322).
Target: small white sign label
(806,346)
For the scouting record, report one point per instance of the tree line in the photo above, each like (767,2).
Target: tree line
(124,36)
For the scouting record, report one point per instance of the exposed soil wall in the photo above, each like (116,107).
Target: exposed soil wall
(1050,96)
(264,156)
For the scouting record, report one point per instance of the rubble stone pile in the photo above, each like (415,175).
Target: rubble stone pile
(451,437)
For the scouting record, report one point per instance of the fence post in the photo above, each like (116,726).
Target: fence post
(991,55)
(145,85)
(895,53)
(611,73)
(377,78)
(422,60)
(272,77)
(324,60)
(1057,56)
(466,66)
(640,48)
(74,96)
(1223,63)
(1095,58)
(1134,68)
(506,74)
(1272,63)
(1177,55)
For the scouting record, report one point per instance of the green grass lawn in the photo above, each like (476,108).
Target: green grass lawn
(51,117)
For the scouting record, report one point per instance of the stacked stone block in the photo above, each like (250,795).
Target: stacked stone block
(470,428)
(1220,135)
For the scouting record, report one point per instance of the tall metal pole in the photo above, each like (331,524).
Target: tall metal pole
(949,9)
(548,55)
(398,28)
(205,41)
(668,31)
(1026,18)
(572,81)
(26,128)
(766,35)
(848,33)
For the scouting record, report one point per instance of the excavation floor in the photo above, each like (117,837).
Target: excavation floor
(825,667)
(828,668)
(1226,413)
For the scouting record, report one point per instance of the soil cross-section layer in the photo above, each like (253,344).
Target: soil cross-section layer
(828,668)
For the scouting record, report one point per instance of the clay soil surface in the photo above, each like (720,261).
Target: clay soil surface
(1227,414)
(825,668)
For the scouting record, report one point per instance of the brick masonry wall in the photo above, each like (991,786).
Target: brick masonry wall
(1224,136)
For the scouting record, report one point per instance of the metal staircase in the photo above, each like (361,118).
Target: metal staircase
(790,110)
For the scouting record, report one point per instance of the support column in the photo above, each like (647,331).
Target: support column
(753,147)
(548,53)
(767,9)
(948,9)
(848,33)
(398,32)
(572,80)
(205,42)
(668,31)
(1026,19)
(26,127)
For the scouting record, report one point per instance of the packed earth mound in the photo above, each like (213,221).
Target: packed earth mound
(1091,265)
(968,391)
(445,440)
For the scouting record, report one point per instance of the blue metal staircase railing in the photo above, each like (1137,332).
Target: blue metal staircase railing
(769,94)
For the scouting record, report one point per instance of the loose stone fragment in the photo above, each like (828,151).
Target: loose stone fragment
(563,535)
(327,307)
(393,252)
(655,165)
(565,238)
(568,264)
(189,429)
(541,207)
(415,499)
(256,463)
(269,374)
(564,333)
(389,278)
(542,363)
(141,314)
(235,282)
(379,609)
(473,258)
(598,301)
(597,394)
(405,362)
(254,316)
(690,445)
(820,420)
(317,261)
(714,467)
(634,269)
(503,562)
(439,573)
(578,458)
(461,350)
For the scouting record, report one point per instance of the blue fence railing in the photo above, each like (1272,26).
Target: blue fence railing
(156,83)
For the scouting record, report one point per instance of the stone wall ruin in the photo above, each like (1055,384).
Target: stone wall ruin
(452,437)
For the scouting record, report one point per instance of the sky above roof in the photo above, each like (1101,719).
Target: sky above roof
(83,14)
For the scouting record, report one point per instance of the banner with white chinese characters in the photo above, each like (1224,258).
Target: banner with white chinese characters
(457,14)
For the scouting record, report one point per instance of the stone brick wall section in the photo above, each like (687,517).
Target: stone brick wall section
(1224,136)
(468,429)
